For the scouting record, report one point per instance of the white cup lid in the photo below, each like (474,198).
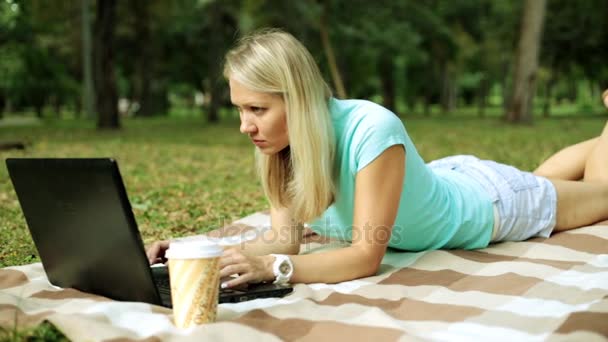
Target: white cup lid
(193,250)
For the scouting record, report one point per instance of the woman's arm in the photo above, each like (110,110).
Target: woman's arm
(377,194)
(284,237)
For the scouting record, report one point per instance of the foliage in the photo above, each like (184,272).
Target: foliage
(430,52)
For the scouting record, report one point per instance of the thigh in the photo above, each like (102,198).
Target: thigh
(568,163)
(526,203)
(580,203)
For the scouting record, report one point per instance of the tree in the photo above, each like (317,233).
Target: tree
(329,51)
(105,80)
(143,58)
(520,109)
(221,28)
(88,92)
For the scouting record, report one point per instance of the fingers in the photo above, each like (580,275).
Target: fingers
(240,280)
(244,276)
(230,257)
(233,262)
(234,269)
(156,252)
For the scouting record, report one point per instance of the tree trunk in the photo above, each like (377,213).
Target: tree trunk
(214,104)
(572,88)
(56,104)
(38,107)
(504,84)
(593,91)
(158,101)
(426,103)
(387,81)
(143,57)
(88,92)
(2,105)
(12,145)
(329,52)
(78,108)
(223,27)
(105,81)
(520,108)
(548,95)
(448,92)
(483,97)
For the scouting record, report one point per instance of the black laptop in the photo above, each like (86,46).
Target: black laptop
(80,219)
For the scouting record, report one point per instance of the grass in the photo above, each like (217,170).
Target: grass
(185,177)
(182,177)
(43,332)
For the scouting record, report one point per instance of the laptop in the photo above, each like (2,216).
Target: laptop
(81,222)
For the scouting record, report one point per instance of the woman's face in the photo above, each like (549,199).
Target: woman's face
(263,117)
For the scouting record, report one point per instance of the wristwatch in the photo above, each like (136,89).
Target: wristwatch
(282,269)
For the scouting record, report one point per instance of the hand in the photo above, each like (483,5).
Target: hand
(250,269)
(156,252)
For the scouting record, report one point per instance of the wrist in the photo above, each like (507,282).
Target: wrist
(282,268)
(268,261)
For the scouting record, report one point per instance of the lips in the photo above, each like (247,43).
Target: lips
(258,142)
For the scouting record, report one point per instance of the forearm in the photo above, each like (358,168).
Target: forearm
(330,267)
(270,243)
(334,266)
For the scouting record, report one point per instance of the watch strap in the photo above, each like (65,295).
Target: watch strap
(280,277)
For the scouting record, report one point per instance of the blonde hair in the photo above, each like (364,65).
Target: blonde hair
(300,177)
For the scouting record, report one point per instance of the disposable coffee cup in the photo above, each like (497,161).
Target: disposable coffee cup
(194,277)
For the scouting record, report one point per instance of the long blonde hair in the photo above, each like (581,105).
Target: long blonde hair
(300,177)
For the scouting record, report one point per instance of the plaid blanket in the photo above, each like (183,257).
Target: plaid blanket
(553,289)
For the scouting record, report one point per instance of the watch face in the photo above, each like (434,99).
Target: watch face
(284,268)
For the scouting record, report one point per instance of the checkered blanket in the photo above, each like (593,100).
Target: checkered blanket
(553,289)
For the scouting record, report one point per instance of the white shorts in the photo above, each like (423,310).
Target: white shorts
(525,205)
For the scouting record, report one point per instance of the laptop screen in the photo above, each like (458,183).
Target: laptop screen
(81,222)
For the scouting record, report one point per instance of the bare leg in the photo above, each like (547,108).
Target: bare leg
(580,204)
(569,163)
(596,167)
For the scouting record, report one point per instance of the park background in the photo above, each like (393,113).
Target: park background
(140,81)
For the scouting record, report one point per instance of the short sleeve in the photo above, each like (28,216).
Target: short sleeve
(377,131)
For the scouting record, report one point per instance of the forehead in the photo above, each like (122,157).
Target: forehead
(239,94)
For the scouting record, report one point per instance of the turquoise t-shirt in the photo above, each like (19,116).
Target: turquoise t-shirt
(438,209)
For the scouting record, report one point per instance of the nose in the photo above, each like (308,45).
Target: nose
(247,127)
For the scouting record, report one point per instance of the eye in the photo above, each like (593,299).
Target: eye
(257,110)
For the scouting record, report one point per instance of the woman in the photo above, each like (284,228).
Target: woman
(350,170)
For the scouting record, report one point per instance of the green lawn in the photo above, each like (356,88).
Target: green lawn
(186,177)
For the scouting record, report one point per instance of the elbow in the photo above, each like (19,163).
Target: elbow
(292,249)
(372,266)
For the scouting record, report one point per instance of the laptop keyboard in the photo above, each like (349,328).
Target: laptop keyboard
(163,284)
(241,293)
(161,279)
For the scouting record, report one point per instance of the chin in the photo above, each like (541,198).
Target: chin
(269,150)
